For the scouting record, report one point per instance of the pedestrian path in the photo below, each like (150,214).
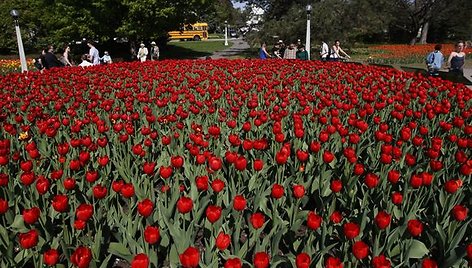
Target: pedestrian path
(238,47)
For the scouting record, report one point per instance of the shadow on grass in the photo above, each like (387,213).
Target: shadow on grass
(178,52)
(444,75)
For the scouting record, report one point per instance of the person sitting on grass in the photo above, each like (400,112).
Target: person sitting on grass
(85,62)
(106,59)
(456,60)
(434,61)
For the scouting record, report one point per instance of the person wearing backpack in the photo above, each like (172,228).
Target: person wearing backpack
(434,61)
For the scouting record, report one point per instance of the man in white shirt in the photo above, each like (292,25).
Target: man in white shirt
(324,50)
(93,54)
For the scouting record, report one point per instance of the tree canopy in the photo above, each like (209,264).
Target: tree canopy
(370,21)
(61,21)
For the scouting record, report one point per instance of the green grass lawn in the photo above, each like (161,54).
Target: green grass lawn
(191,49)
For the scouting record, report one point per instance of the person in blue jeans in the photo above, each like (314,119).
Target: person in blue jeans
(434,61)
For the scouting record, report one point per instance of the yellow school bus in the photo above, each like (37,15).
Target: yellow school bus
(197,31)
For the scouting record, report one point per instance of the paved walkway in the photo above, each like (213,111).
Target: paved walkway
(238,47)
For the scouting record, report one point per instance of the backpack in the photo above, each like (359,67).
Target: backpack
(430,59)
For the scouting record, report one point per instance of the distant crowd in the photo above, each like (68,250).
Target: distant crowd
(48,58)
(434,60)
(298,51)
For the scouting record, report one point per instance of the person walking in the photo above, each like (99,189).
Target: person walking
(434,61)
(456,60)
(154,51)
(142,53)
(93,53)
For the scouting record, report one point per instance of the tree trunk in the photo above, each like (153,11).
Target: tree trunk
(424,33)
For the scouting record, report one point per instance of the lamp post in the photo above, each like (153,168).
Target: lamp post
(15,14)
(226,32)
(308,17)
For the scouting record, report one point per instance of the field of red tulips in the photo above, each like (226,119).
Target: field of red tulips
(234,163)
(405,54)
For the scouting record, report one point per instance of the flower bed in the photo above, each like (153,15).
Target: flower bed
(229,163)
(10,66)
(404,54)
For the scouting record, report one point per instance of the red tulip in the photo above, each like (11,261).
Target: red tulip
(184,205)
(148,168)
(382,219)
(127,190)
(60,203)
(257,220)
(31,216)
(333,262)
(239,203)
(140,261)
(84,212)
(469,251)
(397,198)
(415,227)
(313,220)
(99,191)
(202,183)
(336,217)
(298,191)
(261,260)
(360,250)
(277,191)
(151,234)
(336,186)
(459,212)
(165,172)
(213,213)
(177,161)
(328,157)
(51,257)
(222,241)
(3,206)
(303,260)
(217,185)
(69,184)
(381,262)
(233,263)
(258,164)
(81,257)
(215,163)
(451,186)
(429,263)
(145,207)
(351,230)
(28,239)
(371,180)
(190,258)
